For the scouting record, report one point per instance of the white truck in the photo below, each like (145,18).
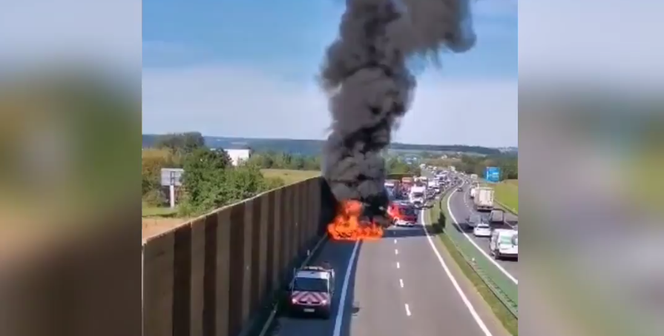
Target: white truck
(417,196)
(483,199)
(473,177)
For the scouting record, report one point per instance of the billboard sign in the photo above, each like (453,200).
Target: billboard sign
(492,174)
(171,177)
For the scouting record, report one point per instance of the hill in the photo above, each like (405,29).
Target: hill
(313,147)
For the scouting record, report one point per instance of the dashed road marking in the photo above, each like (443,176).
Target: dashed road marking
(396,251)
(407,309)
(395,240)
(398,265)
(401,283)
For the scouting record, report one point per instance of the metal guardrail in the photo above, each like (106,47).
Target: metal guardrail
(510,304)
(500,294)
(505,207)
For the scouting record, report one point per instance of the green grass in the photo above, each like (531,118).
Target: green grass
(152,211)
(501,312)
(644,187)
(290,176)
(507,193)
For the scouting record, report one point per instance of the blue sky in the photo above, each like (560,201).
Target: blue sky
(247,67)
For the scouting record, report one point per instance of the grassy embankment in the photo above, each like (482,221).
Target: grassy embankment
(507,193)
(441,219)
(290,176)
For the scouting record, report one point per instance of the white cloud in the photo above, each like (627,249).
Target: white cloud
(216,100)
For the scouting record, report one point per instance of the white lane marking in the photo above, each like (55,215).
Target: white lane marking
(465,300)
(395,240)
(398,265)
(338,319)
(449,209)
(407,309)
(401,283)
(396,251)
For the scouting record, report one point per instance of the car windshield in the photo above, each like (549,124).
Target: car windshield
(483,226)
(417,194)
(408,211)
(509,239)
(310,285)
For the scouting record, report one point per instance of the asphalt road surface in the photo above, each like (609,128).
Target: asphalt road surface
(461,207)
(399,285)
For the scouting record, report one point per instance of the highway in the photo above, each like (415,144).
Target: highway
(461,207)
(399,285)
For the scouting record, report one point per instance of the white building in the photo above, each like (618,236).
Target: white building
(238,154)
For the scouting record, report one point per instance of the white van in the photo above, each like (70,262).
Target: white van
(504,244)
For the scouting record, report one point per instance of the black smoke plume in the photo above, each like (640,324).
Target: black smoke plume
(367,75)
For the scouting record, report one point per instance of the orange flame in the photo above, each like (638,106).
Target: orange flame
(348,226)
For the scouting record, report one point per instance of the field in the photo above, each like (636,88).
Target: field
(644,186)
(290,176)
(159,219)
(507,193)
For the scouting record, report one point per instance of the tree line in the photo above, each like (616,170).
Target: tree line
(508,164)
(210,179)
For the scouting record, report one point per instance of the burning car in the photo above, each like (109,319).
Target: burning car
(312,290)
(402,214)
(357,221)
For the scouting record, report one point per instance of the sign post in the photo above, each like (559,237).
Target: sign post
(171,177)
(492,174)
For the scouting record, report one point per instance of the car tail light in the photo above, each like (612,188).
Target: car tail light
(294,300)
(324,302)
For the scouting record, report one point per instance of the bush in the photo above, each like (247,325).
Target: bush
(155,198)
(153,160)
(211,182)
(274,182)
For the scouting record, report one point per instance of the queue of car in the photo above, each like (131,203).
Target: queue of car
(503,242)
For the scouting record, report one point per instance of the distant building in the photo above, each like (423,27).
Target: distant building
(238,154)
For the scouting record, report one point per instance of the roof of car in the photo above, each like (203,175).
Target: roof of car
(313,274)
(506,231)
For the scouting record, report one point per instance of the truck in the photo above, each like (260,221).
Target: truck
(406,183)
(417,196)
(483,199)
(473,191)
(473,177)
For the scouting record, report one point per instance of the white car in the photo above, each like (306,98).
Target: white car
(482,230)
(401,222)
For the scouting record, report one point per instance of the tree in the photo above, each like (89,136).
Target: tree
(153,160)
(396,166)
(181,142)
(508,164)
(204,179)
(211,181)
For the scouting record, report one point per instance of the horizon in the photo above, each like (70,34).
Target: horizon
(322,140)
(205,64)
